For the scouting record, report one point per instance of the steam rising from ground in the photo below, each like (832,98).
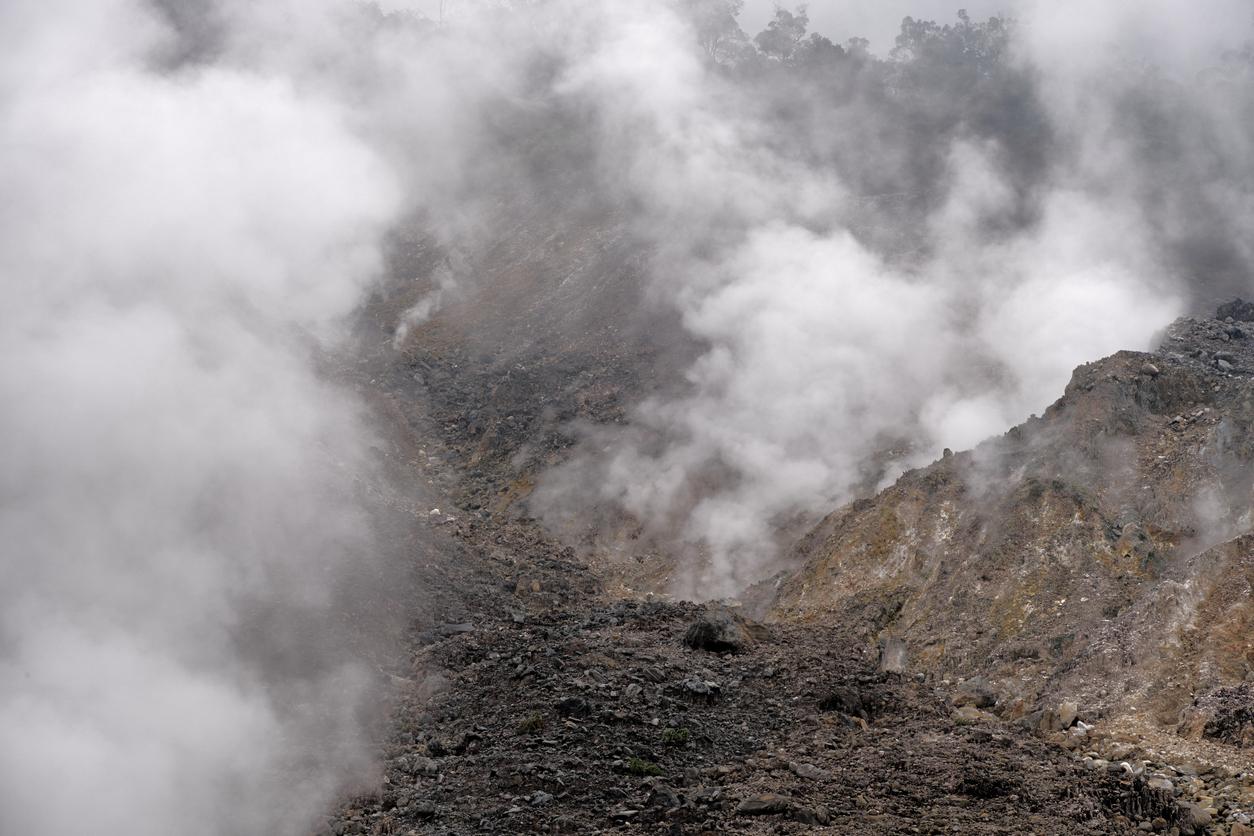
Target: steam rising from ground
(194,196)
(178,521)
(1080,208)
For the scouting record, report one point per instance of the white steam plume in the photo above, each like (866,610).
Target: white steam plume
(193,196)
(823,352)
(177,516)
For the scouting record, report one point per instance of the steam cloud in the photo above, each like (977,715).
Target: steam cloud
(194,200)
(178,518)
(1072,206)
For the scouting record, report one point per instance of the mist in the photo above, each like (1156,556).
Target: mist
(884,259)
(869,254)
(879,21)
(179,522)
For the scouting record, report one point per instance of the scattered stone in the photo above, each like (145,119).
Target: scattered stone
(574,707)
(969,715)
(977,692)
(811,816)
(1149,369)
(1049,721)
(424,766)
(1068,712)
(663,795)
(1237,309)
(1225,714)
(846,701)
(1120,751)
(707,795)
(808,771)
(893,656)
(765,804)
(718,631)
(1193,818)
(700,690)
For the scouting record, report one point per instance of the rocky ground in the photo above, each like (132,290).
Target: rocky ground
(567,713)
(1079,666)
(1094,554)
(548,707)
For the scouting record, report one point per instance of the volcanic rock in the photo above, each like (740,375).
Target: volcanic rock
(1237,309)
(764,804)
(718,631)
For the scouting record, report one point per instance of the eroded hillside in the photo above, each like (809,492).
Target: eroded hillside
(1095,552)
(1083,580)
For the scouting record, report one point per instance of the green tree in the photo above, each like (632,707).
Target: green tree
(715,22)
(784,34)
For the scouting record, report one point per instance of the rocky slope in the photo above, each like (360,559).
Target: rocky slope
(1047,634)
(600,719)
(1093,551)
(1096,554)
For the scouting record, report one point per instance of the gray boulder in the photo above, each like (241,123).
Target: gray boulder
(719,631)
